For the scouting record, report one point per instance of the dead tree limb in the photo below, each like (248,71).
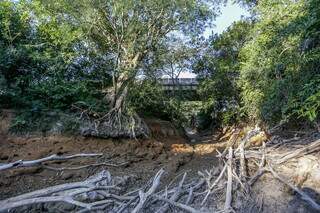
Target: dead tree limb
(51,194)
(85,166)
(211,186)
(22,163)
(175,195)
(261,168)
(192,189)
(227,206)
(313,147)
(243,167)
(144,196)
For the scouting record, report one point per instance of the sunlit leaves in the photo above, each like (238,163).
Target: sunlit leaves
(275,64)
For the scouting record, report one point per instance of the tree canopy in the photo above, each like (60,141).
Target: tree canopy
(106,57)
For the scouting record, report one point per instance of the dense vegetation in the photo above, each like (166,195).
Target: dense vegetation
(265,68)
(104,58)
(280,70)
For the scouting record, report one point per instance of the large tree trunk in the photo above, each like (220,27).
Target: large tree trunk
(119,122)
(121,83)
(120,101)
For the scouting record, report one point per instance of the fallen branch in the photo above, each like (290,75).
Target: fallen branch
(214,184)
(51,194)
(83,167)
(192,189)
(22,163)
(175,195)
(243,167)
(313,147)
(145,196)
(227,205)
(261,168)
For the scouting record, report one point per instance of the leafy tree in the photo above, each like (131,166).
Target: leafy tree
(218,71)
(45,61)
(171,58)
(149,100)
(16,61)
(281,61)
(128,31)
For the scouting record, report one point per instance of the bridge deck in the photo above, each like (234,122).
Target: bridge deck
(179,83)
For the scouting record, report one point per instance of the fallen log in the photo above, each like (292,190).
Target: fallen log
(313,147)
(85,166)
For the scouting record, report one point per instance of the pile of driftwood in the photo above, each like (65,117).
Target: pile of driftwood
(222,189)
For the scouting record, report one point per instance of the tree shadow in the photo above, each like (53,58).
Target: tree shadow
(297,205)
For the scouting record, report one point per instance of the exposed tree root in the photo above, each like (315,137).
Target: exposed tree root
(115,124)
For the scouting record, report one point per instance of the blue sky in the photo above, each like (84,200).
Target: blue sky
(229,14)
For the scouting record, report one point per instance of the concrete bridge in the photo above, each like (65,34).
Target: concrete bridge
(179,83)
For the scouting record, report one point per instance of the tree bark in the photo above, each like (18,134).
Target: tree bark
(121,83)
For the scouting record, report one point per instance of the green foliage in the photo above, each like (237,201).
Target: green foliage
(276,57)
(39,120)
(16,61)
(307,102)
(61,55)
(44,60)
(32,120)
(218,71)
(128,31)
(281,61)
(62,94)
(149,100)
